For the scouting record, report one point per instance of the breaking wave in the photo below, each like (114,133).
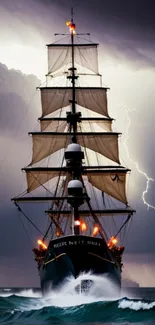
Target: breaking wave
(67,306)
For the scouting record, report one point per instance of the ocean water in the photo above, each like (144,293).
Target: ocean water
(21,306)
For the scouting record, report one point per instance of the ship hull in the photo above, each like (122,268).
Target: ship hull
(72,255)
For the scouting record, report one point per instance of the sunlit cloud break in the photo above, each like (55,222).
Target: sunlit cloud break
(148,179)
(28,59)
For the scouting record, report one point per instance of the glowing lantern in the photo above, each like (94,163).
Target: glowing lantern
(58,233)
(95,230)
(40,242)
(71,26)
(77,223)
(83,226)
(113,241)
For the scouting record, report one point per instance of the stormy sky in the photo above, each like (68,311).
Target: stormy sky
(125,31)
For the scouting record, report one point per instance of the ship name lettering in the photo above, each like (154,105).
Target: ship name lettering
(64,243)
(75,242)
(93,243)
(70,242)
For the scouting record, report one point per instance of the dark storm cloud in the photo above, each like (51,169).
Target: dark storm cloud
(18,267)
(125,28)
(16,93)
(121,18)
(17,101)
(19,110)
(24,86)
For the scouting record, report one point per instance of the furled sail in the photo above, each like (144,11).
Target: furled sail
(60,55)
(87,126)
(53,98)
(44,144)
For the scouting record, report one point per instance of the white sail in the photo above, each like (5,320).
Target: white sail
(112,184)
(54,125)
(46,144)
(84,126)
(85,55)
(38,178)
(94,99)
(94,126)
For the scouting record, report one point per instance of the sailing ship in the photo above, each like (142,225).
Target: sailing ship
(75,161)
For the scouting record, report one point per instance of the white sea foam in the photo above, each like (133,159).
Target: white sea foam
(5,294)
(101,290)
(136,305)
(29,293)
(7,290)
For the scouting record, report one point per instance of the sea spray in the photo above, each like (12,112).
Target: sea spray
(102,289)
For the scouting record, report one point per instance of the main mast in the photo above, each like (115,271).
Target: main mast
(73,68)
(75,157)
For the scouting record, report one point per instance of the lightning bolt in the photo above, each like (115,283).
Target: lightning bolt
(148,179)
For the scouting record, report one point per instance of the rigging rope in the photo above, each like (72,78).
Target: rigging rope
(19,209)
(102,233)
(128,218)
(57,224)
(25,230)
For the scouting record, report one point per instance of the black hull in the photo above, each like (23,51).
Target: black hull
(72,255)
